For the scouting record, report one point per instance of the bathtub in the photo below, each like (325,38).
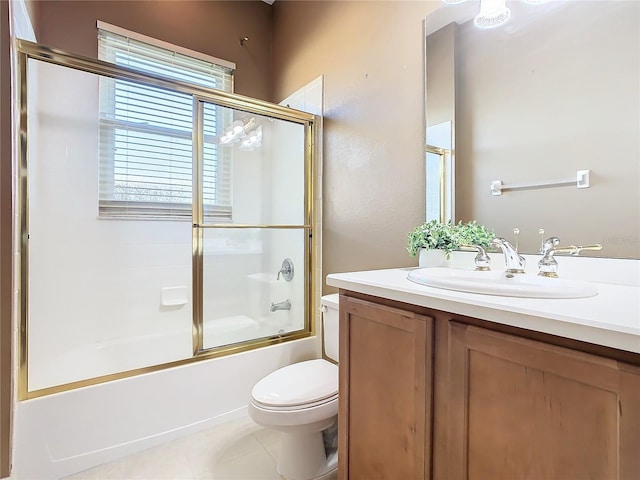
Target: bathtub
(61,434)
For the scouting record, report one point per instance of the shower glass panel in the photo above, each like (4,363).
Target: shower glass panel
(246,297)
(99,290)
(261,180)
(155,217)
(261,172)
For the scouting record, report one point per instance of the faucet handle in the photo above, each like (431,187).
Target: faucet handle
(548,266)
(286,270)
(482,260)
(576,249)
(548,244)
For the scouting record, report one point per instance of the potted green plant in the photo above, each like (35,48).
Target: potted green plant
(472,233)
(435,241)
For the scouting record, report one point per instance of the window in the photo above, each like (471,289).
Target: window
(146,146)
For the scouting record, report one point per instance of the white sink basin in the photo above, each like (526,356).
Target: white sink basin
(500,283)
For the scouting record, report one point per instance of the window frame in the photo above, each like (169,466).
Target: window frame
(113,208)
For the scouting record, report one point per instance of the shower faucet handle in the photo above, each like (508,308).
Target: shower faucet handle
(286,270)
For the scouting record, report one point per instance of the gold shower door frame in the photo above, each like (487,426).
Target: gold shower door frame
(199,226)
(443,155)
(28,50)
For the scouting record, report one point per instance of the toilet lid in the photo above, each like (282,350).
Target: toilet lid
(298,384)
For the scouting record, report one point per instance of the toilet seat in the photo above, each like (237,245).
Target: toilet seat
(317,403)
(298,386)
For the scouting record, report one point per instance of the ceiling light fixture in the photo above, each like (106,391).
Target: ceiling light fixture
(492,14)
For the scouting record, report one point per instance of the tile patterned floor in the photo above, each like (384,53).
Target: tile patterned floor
(236,450)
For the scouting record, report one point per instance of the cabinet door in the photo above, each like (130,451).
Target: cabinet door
(521,409)
(385,392)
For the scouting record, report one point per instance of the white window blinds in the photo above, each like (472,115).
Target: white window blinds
(146,146)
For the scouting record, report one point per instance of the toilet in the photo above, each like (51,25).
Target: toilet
(301,402)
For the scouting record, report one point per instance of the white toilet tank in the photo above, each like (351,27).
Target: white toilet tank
(330,325)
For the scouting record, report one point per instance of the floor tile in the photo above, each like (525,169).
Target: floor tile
(270,440)
(235,450)
(165,462)
(258,465)
(221,444)
(91,474)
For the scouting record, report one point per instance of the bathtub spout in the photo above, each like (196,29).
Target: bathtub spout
(286,305)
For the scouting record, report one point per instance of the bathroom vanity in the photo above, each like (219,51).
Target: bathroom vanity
(439,384)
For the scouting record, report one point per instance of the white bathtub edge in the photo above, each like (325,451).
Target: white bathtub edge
(62,434)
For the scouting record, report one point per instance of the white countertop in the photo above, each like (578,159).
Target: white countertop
(611,318)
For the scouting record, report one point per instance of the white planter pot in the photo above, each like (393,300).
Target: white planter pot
(432,258)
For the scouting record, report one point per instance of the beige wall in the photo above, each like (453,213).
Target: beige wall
(211,27)
(371,56)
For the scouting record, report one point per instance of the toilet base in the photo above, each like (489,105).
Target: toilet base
(303,457)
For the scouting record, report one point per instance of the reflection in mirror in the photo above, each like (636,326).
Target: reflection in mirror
(440,103)
(439,167)
(552,92)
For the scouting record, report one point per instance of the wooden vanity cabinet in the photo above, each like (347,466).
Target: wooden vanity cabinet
(522,409)
(506,405)
(384,416)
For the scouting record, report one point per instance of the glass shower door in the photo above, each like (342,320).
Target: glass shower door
(253,253)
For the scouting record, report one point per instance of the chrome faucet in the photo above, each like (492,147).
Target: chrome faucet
(286,305)
(514,261)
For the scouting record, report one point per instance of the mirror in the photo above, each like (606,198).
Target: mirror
(552,92)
